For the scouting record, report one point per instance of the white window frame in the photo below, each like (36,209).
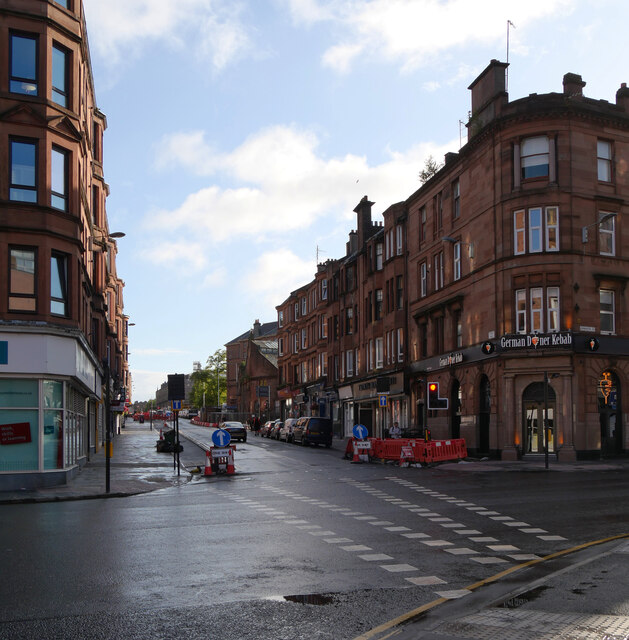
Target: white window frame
(399,238)
(304,338)
(520,311)
(604,160)
(295,342)
(519,232)
(456,256)
(280,347)
(324,363)
(535,231)
(357,361)
(304,306)
(379,345)
(607,233)
(296,317)
(379,249)
(324,289)
(423,279)
(532,151)
(552,228)
(389,346)
(280,318)
(553,306)
(608,313)
(349,357)
(536,297)
(400,344)
(456,199)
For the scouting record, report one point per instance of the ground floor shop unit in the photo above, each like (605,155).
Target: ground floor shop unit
(500,396)
(51,414)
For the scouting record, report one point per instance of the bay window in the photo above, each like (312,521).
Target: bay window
(23,180)
(22,280)
(23,64)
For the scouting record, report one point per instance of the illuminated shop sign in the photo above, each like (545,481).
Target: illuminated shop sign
(449,360)
(536,341)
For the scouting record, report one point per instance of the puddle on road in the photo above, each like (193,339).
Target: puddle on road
(311,598)
(523,598)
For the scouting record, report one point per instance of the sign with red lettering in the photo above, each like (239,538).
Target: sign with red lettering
(18,433)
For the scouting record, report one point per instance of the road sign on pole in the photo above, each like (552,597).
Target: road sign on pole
(221,438)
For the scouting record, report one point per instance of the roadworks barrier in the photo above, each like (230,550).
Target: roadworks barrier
(220,460)
(406,450)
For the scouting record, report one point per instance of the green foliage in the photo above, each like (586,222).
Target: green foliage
(211,380)
(431,167)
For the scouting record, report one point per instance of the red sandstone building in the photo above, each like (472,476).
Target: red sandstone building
(502,279)
(62,322)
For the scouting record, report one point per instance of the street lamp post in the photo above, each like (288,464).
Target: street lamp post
(107,427)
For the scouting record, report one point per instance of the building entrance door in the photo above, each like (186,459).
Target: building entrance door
(533,419)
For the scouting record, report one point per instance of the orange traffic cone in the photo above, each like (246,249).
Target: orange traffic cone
(231,469)
(161,435)
(356,457)
(208,464)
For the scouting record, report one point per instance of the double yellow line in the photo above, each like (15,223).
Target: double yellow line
(395,622)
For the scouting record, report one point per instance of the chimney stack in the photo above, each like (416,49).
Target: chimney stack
(573,85)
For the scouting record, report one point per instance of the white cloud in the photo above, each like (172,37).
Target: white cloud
(415,33)
(276,273)
(281,183)
(183,254)
(145,383)
(119,28)
(155,352)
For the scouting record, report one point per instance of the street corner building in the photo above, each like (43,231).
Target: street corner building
(499,286)
(63,332)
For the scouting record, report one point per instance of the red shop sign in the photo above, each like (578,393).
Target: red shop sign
(18,433)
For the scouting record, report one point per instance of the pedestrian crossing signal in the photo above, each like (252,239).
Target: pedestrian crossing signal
(434,401)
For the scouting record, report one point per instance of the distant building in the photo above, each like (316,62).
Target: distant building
(501,279)
(237,352)
(63,331)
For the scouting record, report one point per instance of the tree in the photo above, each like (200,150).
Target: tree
(211,381)
(431,167)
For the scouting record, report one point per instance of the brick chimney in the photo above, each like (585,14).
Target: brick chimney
(365,228)
(256,329)
(573,85)
(489,95)
(622,97)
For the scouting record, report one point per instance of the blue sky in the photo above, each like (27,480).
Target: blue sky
(242,133)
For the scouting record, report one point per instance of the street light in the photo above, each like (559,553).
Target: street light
(605,218)
(470,245)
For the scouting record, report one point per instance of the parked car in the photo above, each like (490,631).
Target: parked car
(275,429)
(266,427)
(236,430)
(192,413)
(313,430)
(286,432)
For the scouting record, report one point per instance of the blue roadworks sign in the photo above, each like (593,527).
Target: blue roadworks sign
(221,438)
(360,432)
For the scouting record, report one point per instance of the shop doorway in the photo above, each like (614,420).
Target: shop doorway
(484,413)
(455,410)
(610,414)
(365,417)
(534,409)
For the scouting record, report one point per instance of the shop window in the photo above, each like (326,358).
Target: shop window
(59,285)
(534,157)
(607,311)
(23,65)
(23,181)
(22,280)
(19,439)
(604,160)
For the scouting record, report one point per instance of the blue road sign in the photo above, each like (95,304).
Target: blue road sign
(382,401)
(221,438)
(176,405)
(360,432)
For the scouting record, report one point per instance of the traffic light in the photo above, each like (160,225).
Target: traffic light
(434,401)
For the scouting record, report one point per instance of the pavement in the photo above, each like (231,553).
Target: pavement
(135,467)
(540,609)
